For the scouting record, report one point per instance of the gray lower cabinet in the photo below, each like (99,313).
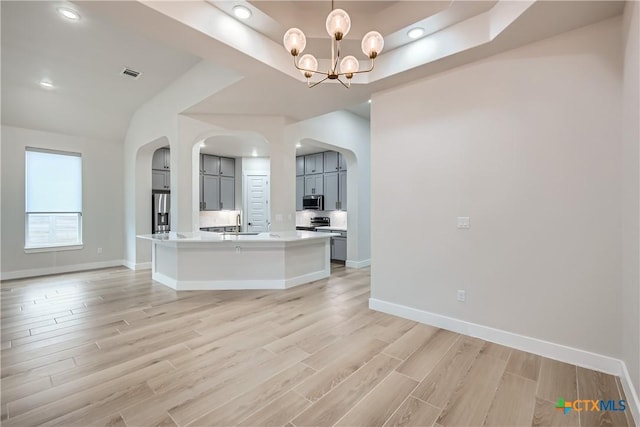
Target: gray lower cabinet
(210,192)
(227,193)
(299,192)
(313,184)
(220,229)
(339,248)
(338,245)
(160,179)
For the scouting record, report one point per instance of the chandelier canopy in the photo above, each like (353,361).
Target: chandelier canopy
(338,25)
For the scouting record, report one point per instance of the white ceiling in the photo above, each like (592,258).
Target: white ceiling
(84,60)
(163,39)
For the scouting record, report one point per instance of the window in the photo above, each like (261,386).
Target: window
(53,211)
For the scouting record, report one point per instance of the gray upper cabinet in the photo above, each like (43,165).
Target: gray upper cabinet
(322,173)
(331,161)
(334,162)
(227,167)
(299,192)
(217,184)
(342,163)
(313,163)
(227,193)
(335,191)
(210,164)
(342,190)
(313,184)
(331,191)
(160,180)
(210,192)
(299,165)
(161,159)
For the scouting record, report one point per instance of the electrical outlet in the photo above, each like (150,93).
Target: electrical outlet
(99,250)
(462,295)
(238,249)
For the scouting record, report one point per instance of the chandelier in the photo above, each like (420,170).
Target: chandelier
(338,25)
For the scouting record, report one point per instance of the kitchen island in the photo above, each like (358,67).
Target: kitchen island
(217,261)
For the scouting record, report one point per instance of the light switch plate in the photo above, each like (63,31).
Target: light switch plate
(463,222)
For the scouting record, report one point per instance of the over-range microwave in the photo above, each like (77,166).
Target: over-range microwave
(315,203)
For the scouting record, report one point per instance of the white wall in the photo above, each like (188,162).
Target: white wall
(256,164)
(154,125)
(102,203)
(528,145)
(631,188)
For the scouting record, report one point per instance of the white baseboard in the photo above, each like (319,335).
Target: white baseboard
(358,264)
(142,266)
(34,272)
(548,349)
(630,393)
(306,278)
(135,267)
(228,285)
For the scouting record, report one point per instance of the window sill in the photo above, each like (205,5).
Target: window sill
(53,249)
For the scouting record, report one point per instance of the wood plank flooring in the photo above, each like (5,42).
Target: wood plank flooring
(113,348)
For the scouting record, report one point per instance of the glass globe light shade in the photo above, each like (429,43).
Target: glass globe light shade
(338,23)
(372,44)
(349,65)
(308,62)
(294,41)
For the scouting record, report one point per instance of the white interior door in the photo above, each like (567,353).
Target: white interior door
(257,207)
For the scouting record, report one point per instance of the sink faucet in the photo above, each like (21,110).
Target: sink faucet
(238,223)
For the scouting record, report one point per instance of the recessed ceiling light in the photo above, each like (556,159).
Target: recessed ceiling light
(415,33)
(254,153)
(70,14)
(298,145)
(46,84)
(241,12)
(369,101)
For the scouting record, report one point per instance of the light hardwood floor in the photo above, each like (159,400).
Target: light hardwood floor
(112,348)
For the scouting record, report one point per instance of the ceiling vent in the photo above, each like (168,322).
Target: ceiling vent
(131,73)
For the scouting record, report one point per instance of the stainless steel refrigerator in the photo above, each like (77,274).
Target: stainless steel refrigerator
(160,201)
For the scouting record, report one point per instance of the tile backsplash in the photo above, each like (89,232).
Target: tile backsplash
(338,218)
(220,218)
(217,218)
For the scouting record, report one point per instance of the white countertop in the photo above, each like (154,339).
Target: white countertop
(211,237)
(332,228)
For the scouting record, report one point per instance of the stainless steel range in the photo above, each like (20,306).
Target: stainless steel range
(316,221)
